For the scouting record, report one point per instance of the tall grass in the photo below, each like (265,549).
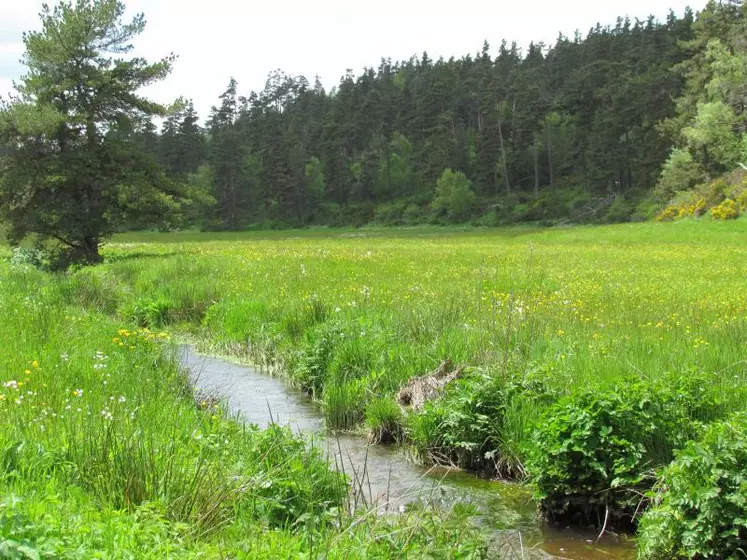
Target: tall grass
(104,451)
(352,319)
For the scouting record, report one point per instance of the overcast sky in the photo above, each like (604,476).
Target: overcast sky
(217,39)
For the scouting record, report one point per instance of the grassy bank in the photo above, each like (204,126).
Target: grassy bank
(105,453)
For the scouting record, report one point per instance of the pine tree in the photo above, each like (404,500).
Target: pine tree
(74,173)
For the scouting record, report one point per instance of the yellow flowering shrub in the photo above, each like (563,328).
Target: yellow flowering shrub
(727,210)
(668,214)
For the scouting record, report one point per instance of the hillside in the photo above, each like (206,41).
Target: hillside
(578,131)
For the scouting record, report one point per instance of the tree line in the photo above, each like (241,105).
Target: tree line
(598,127)
(545,134)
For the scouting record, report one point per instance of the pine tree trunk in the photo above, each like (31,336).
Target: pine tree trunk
(536,170)
(549,153)
(505,164)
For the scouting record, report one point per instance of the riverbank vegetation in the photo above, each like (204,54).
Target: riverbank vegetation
(592,354)
(105,451)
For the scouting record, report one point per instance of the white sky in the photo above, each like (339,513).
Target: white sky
(247,39)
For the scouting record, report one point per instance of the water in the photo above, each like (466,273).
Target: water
(386,477)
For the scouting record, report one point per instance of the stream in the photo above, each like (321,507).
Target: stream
(386,476)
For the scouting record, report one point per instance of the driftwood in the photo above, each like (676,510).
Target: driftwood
(420,390)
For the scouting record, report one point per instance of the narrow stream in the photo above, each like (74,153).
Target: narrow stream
(389,478)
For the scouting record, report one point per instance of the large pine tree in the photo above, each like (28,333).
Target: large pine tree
(74,173)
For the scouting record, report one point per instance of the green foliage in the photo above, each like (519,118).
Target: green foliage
(73,174)
(23,256)
(399,213)
(314,172)
(149,312)
(104,452)
(742,200)
(280,494)
(595,452)
(518,124)
(680,173)
(384,421)
(700,507)
(547,135)
(482,423)
(633,299)
(315,356)
(713,131)
(343,403)
(668,214)
(454,196)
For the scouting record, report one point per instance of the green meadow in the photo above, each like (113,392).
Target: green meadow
(591,356)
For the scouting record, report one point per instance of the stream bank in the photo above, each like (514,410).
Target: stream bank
(384,475)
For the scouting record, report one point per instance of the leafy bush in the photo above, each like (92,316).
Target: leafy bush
(727,210)
(454,196)
(480,424)
(413,214)
(594,452)
(668,214)
(680,173)
(313,360)
(356,215)
(701,509)
(292,480)
(390,214)
(620,210)
(715,191)
(23,256)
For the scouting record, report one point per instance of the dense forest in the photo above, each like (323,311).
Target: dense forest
(609,126)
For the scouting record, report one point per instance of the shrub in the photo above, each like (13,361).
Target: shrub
(23,256)
(481,423)
(356,215)
(454,196)
(727,210)
(742,200)
(594,452)
(389,214)
(701,508)
(413,214)
(680,173)
(714,192)
(620,210)
(669,214)
(292,480)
